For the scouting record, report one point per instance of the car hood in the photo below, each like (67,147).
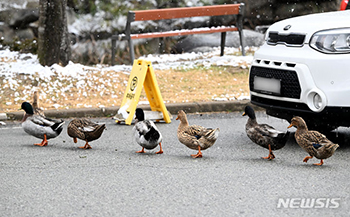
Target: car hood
(309,24)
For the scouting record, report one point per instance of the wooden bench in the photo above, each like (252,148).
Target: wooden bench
(176,13)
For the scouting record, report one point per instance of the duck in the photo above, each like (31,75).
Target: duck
(264,135)
(313,142)
(146,133)
(37,109)
(85,129)
(39,126)
(194,136)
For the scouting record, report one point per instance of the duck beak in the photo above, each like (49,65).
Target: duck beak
(290,126)
(177,118)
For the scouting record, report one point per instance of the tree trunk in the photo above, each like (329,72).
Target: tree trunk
(53,42)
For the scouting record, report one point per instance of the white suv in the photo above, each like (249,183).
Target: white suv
(303,69)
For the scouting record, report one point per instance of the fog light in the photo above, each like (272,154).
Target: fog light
(317,101)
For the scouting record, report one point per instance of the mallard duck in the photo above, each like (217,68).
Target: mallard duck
(264,135)
(146,133)
(38,126)
(194,136)
(86,130)
(313,142)
(36,108)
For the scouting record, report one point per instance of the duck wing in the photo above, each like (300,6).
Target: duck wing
(39,126)
(267,130)
(314,137)
(85,129)
(261,133)
(313,142)
(142,127)
(195,135)
(95,132)
(42,121)
(277,136)
(190,135)
(146,132)
(265,135)
(86,125)
(74,129)
(195,130)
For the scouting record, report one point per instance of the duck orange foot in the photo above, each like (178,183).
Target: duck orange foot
(307,158)
(142,151)
(320,163)
(271,156)
(43,143)
(199,154)
(86,146)
(160,150)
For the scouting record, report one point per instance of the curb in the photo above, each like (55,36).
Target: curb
(222,106)
(3,117)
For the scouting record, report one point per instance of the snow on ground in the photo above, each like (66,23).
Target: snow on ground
(12,63)
(61,81)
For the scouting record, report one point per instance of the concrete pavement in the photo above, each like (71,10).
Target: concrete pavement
(112,180)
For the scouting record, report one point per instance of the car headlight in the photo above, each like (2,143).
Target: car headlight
(332,41)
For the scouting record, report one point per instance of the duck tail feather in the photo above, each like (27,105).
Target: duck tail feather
(213,134)
(283,137)
(100,129)
(57,126)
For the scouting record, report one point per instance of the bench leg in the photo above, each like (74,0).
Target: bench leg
(132,52)
(223,41)
(113,51)
(242,43)
(240,31)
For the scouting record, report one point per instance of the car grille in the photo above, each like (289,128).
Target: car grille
(290,86)
(292,39)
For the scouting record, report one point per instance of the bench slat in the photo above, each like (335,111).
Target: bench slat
(174,13)
(182,32)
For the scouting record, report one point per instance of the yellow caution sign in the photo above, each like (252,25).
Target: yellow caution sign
(142,75)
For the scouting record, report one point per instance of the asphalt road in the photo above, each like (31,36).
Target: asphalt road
(112,180)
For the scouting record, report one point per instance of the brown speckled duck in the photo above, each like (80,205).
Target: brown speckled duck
(194,136)
(86,130)
(313,142)
(264,135)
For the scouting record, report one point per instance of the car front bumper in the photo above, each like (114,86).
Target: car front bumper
(303,73)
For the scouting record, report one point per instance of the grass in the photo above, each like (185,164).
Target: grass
(203,84)
(106,89)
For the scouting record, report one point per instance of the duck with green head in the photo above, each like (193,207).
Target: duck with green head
(39,126)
